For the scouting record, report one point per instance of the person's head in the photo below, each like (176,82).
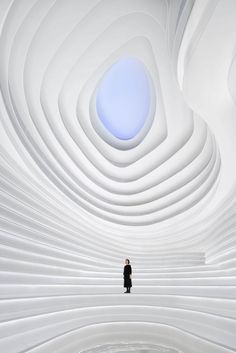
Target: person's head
(127,261)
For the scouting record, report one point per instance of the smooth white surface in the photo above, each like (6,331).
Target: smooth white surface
(75,202)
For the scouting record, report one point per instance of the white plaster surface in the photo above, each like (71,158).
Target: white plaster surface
(74,205)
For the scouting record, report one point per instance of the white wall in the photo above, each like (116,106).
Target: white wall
(74,205)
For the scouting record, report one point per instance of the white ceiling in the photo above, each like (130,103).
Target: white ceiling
(75,201)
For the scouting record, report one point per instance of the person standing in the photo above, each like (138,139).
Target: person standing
(127,273)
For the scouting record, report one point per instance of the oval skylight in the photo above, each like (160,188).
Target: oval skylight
(123,98)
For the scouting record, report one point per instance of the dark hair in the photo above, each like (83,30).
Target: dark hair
(127,260)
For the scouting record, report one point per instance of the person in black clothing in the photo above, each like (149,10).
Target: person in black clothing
(127,273)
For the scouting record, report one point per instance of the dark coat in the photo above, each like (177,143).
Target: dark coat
(126,273)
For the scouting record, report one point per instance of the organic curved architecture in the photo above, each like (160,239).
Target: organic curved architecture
(82,189)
